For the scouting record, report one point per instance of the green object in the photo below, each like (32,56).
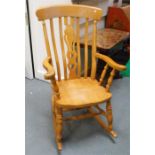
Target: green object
(127,71)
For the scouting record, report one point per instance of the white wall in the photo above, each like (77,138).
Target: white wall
(38,46)
(28,59)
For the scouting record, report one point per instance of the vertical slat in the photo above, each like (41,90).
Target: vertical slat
(78,46)
(93,70)
(55,49)
(86,49)
(110,79)
(62,47)
(74,40)
(71,20)
(46,40)
(103,74)
(65,20)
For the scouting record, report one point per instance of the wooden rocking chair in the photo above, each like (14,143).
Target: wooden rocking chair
(76,91)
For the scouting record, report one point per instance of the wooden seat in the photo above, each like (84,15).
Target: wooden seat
(81,93)
(77,89)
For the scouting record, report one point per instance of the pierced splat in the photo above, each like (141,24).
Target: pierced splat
(70,38)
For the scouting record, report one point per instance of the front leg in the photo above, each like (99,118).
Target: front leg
(59,124)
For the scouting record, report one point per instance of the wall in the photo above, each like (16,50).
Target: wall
(28,60)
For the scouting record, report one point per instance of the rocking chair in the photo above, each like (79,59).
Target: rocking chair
(78,89)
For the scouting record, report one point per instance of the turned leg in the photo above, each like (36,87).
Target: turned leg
(53,115)
(109,114)
(109,117)
(58,128)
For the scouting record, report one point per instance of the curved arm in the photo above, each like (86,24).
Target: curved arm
(111,62)
(50,70)
(50,75)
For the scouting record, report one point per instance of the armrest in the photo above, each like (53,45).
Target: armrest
(111,62)
(49,68)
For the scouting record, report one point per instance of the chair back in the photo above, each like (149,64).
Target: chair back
(69,36)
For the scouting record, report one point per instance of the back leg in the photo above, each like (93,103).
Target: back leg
(109,117)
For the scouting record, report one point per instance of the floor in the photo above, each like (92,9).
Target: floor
(83,137)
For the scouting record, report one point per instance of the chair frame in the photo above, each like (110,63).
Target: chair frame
(74,66)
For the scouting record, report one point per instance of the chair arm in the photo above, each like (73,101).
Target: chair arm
(50,75)
(110,62)
(49,68)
